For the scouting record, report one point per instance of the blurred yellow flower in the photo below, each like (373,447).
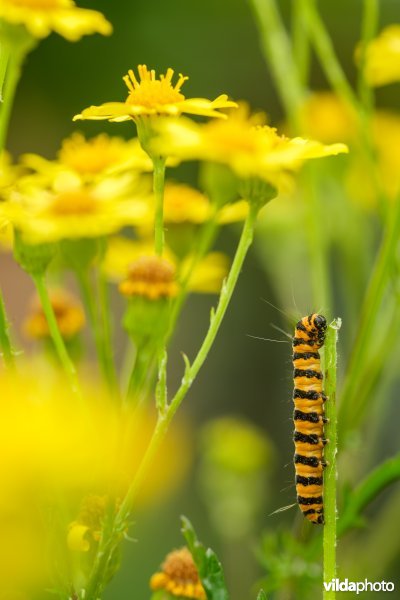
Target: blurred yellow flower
(386,140)
(235,444)
(87,527)
(242,143)
(68,312)
(382,57)
(92,158)
(324,117)
(152,96)
(151,277)
(71,209)
(179,576)
(184,204)
(41,17)
(206,278)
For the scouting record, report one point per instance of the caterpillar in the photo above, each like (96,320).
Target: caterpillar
(308,416)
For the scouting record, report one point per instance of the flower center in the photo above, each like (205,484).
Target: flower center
(73,203)
(90,156)
(151,92)
(152,277)
(180,567)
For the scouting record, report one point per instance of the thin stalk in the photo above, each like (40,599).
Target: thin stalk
(56,336)
(91,312)
(106,332)
(5,343)
(301,44)
(349,409)
(158,188)
(4,56)
(320,283)
(369,27)
(324,48)
(14,66)
(329,536)
(104,554)
(279,54)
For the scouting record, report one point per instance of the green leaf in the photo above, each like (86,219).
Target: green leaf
(207,563)
(262,595)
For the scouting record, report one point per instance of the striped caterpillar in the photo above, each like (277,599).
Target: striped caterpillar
(308,416)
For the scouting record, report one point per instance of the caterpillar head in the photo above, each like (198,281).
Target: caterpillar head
(319,326)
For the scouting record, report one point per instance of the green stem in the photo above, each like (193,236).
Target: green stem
(368,31)
(158,188)
(349,413)
(14,66)
(384,475)
(324,48)
(106,333)
(278,52)
(104,554)
(5,343)
(4,56)
(91,312)
(301,45)
(58,341)
(329,537)
(320,283)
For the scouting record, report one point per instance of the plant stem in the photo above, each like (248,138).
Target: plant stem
(158,188)
(4,56)
(99,337)
(106,332)
(104,554)
(5,343)
(368,31)
(58,341)
(324,48)
(349,413)
(14,65)
(301,45)
(279,54)
(329,537)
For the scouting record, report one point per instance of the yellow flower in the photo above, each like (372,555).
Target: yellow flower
(324,117)
(206,278)
(68,312)
(184,205)
(152,96)
(92,158)
(151,277)
(382,57)
(179,576)
(72,209)
(386,139)
(242,143)
(87,527)
(41,17)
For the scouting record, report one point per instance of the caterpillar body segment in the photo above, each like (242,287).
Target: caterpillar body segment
(309,398)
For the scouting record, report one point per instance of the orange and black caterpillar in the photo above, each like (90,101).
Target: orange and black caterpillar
(308,416)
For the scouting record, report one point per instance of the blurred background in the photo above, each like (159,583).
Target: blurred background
(217,45)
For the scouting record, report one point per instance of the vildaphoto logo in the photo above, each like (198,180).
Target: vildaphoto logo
(337,585)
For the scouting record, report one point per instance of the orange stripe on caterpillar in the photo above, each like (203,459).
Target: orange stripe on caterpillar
(308,398)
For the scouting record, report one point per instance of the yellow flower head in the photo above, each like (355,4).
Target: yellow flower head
(382,57)
(87,527)
(41,17)
(92,158)
(152,96)
(179,576)
(72,209)
(121,253)
(152,277)
(249,148)
(325,117)
(68,312)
